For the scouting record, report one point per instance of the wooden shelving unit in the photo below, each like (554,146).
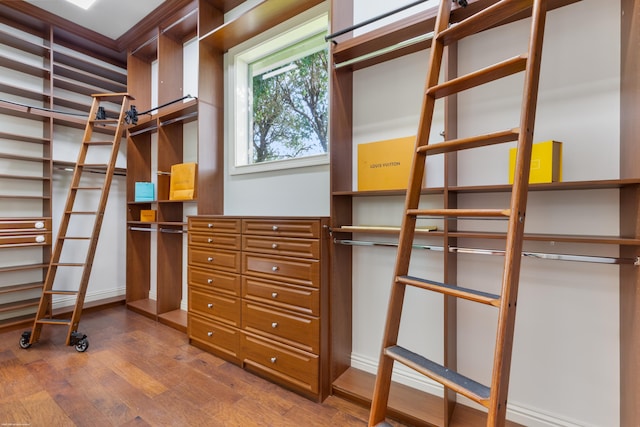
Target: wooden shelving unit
(50,76)
(346,54)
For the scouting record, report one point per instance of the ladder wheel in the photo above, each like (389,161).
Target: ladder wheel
(82,345)
(24,340)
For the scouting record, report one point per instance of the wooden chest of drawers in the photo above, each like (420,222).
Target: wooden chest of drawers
(215,285)
(258,296)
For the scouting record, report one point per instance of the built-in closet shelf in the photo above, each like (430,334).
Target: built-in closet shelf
(412,406)
(553,186)
(179,112)
(165,223)
(24,67)
(264,15)
(90,69)
(24,45)
(68,167)
(177,319)
(21,287)
(39,96)
(404,30)
(18,305)
(23,138)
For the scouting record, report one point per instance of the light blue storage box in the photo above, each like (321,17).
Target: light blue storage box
(144,192)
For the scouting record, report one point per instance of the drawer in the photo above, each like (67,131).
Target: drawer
(214,336)
(25,224)
(290,328)
(25,239)
(215,240)
(215,258)
(299,271)
(290,297)
(306,228)
(219,307)
(219,281)
(280,363)
(286,246)
(214,224)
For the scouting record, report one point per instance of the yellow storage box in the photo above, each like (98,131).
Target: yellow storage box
(546,162)
(385,165)
(147,215)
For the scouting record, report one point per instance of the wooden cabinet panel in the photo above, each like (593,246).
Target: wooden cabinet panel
(25,239)
(215,240)
(293,329)
(305,272)
(218,307)
(219,281)
(303,248)
(25,224)
(219,259)
(297,298)
(305,228)
(214,337)
(296,368)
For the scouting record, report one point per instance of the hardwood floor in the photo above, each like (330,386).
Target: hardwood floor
(137,372)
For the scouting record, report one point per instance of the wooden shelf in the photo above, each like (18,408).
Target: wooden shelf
(264,15)
(24,45)
(21,287)
(177,319)
(146,307)
(406,404)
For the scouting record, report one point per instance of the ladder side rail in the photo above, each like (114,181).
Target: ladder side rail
(95,234)
(405,243)
(511,275)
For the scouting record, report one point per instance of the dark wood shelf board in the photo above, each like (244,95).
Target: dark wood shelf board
(19,305)
(177,319)
(406,404)
(146,307)
(21,287)
(24,267)
(264,15)
(23,138)
(406,29)
(19,43)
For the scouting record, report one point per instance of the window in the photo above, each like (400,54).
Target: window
(281,103)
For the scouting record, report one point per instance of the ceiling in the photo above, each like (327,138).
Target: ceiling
(111,18)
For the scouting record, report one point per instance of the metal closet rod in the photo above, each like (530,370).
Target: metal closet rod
(539,255)
(162,230)
(372,20)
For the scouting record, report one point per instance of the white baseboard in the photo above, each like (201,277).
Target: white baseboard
(70,301)
(516,412)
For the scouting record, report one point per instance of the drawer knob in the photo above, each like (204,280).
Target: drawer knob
(209,240)
(39,225)
(274,295)
(275,268)
(274,325)
(210,259)
(209,334)
(274,246)
(40,239)
(274,359)
(274,228)
(210,305)
(209,281)
(210,225)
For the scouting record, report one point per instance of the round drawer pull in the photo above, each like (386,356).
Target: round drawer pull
(210,305)
(210,225)
(209,281)
(274,295)
(274,325)
(209,334)
(274,228)
(274,246)
(39,225)
(210,259)
(275,268)
(209,240)
(40,239)
(274,359)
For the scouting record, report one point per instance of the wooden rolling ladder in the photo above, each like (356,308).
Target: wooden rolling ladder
(73,251)
(493,397)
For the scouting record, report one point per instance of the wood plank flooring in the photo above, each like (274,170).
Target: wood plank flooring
(137,372)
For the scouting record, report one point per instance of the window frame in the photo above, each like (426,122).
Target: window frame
(238,61)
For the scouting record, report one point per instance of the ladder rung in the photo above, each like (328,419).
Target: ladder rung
(73,238)
(54,321)
(485,19)
(92,165)
(68,264)
(480,77)
(98,142)
(105,121)
(471,142)
(81,212)
(451,379)
(86,188)
(488,213)
(60,292)
(455,291)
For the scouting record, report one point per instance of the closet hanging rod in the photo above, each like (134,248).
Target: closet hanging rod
(142,229)
(385,50)
(372,20)
(539,255)
(172,230)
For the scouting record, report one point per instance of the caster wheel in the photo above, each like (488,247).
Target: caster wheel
(82,345)
(24,340)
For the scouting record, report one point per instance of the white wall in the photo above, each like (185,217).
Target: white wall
(565,361)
